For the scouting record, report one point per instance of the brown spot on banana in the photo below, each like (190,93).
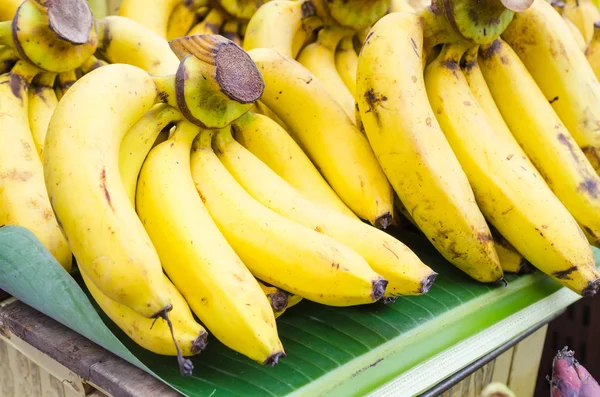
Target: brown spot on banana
(103,186)
(564,274)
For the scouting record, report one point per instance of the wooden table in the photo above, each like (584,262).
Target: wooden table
(41,357)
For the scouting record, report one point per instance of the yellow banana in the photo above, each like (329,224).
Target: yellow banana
(273,146)
(329,138)
(229,30)
(211,24)
(592,52)
(278,299)
(42,102)
(81,155)
(543,136)
(8,9)
(64,81)
(279,251)
(274,25)
(510,194)
(510,260)
(138,141)
(23,198)
(346,62)
(406,274)
(204,268)
(154,334)
(319,58)
(122,40)
(400,6)
(583,14)
(306,34)
(92,63)
(183,18)
(559,6)
(8,58)
(262,109)
(413,151)
(241,9)
(154,14)
(560,69)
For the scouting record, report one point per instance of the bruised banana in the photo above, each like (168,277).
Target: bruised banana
(23,198)
(154,14)
(122,40)
(413,150)
(319,58)
(81,155)
(560,69)
(583,14)
(406,274)
(559,6)
(42,102)
(329,138)
(275,24)
(508,190)
(543,136)
(204,268)
(346,62)
(592,52)
(154,334)
(268,141)
(138,141)
(279,251)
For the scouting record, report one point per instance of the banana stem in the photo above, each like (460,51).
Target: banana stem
(185,365)
(6,37)
(166,90)
(26,70)
(330,36)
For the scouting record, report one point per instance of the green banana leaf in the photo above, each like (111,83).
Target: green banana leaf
(330,351)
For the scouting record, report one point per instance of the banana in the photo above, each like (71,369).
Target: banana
(346,62)
(513,198)
(406,274)
(64,81)
(81,155)
(125,41)
(92,63)
(543,137)
(42,102)
(211,24)
(510,259)
(183,18)
(592,52)
(279,251)
(8,9)
(229,30)
(292,300)
(154,334)
(274,25)
(400,6)
(8,58)
(340,152)
(46,36)
(559,6)
(306,34)
(241,9)
(138,141)
(583,14)
(319,58)
(270,143)
(278,299)
(154,14)
(99,8)
(23,198)
(413,151)
(204,268)
(552,57)
(262,109)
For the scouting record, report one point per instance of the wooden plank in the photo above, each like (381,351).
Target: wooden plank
(502,366)
(526,363)
(88,360)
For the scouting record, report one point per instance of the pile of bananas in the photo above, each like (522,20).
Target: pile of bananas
(218,158)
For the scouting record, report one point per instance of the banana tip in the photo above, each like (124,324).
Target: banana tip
(273,359)
(592,288)
(501,282)
(378,290)
(200,343)
(279,301)
(388,299)
(428,283)
(383,221)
